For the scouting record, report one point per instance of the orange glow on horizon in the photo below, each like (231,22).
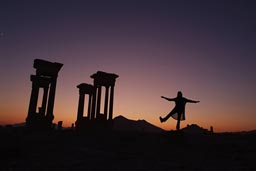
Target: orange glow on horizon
(136,101)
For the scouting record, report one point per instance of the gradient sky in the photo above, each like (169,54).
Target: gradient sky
(205,49)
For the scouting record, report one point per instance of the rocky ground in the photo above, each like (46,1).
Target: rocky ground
(69,150)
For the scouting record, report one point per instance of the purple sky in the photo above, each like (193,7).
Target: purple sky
(205,49)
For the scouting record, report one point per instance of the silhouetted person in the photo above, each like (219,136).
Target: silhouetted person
(178,112)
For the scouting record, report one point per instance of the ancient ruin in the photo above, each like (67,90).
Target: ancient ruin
(46,79)
(94,116)
(83,90)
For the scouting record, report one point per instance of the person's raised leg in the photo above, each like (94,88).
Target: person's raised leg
(167,117)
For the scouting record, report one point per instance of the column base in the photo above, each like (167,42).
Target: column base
(38,122)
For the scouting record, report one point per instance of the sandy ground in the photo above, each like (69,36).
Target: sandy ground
(69,150)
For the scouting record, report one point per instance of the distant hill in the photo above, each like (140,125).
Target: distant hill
(123,124)
(16,125)
(194,129)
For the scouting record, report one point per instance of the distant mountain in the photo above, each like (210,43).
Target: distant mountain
(123,124)
(248,132)
(17,125)
(194,129)
(252,132)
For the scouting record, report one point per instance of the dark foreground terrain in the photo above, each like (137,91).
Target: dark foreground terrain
(68,150)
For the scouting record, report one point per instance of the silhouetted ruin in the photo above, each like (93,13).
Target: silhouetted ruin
(45,78)
(94,116)
(211,129)
(83,90)
(60,125)
(102,79)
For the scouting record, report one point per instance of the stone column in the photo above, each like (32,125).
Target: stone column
(49,113)
(33,99)
(106,103)
(89,106)
(80,111)
(111,103)
(94,98)
(98,101)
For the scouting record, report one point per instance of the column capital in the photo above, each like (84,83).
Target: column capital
(46,68)
(104,79)
(85,88)
(40,81)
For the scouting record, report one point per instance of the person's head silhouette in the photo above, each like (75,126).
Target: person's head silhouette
(179,94)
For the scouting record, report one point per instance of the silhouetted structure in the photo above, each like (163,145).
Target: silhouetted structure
(211,129)
(178,111)
(83,90)
(101,79)
(45,78)
(60,125)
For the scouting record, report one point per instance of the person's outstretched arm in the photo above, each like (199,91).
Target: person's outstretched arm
(192,101)
(169,99)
